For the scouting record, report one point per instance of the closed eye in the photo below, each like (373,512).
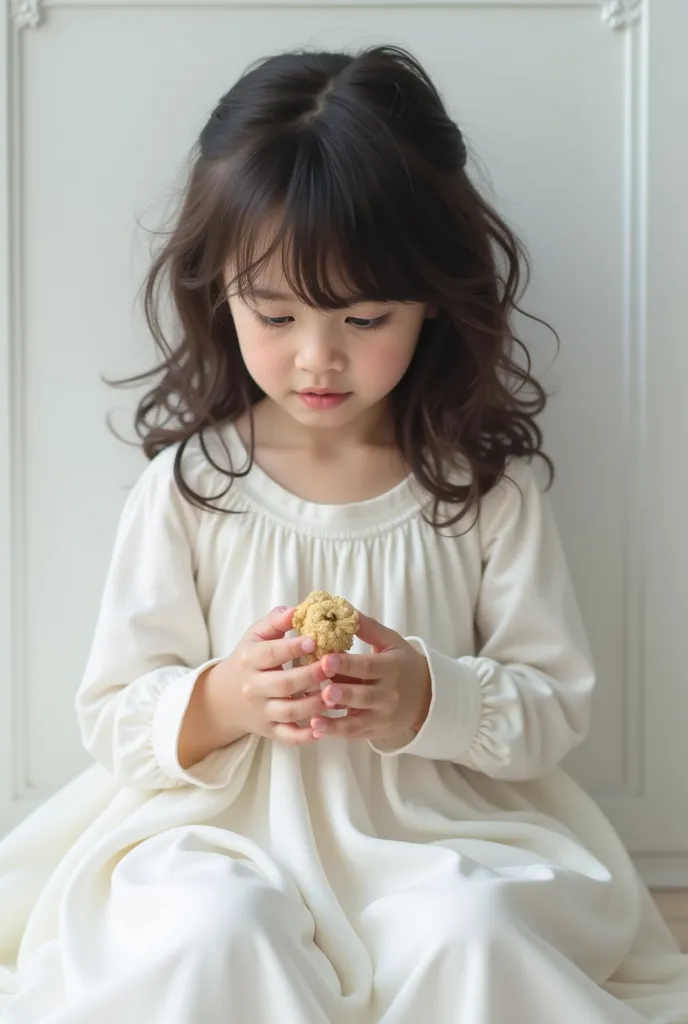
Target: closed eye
(360,323)
(276,321)
(366,323)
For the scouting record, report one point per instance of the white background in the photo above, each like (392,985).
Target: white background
(576,113)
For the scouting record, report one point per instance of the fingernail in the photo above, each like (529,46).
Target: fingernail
(332,664)
(281,608)
(334,694)
(308,645)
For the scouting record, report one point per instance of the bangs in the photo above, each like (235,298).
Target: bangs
(330,225)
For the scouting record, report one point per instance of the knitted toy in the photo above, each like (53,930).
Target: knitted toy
(331,622)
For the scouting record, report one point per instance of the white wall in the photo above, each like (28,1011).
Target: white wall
(577,111)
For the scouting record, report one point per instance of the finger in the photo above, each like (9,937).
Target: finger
(356,666)
(353,695)
(266,654)
(372,632)
(347,680)
(273,626)
(283,684)
(345,727)
(293,735)
(281,711)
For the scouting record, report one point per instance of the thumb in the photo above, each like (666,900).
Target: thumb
(275,625)
(372,632)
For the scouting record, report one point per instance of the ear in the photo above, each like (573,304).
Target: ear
(432,311)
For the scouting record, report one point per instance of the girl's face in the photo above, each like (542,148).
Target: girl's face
(324,368)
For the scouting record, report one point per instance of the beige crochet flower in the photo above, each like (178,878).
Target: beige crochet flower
(331,622)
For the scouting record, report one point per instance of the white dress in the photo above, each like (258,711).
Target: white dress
(461,879)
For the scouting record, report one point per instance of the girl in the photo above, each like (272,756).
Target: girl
(384,835)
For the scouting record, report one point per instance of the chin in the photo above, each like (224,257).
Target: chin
(325,419)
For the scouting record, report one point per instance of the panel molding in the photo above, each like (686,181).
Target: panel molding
(26,13)
(6,377)
(634,196)
(615,14)
(21,7)
(14,616)
(635,200)
(619,14)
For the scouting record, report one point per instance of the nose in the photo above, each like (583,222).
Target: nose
(319,352)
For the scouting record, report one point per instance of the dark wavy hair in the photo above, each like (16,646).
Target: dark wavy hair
(355,163)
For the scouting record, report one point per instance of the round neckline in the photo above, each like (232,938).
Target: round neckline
(382,512)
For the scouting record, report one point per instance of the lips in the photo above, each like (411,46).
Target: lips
(322,398)
(320,391)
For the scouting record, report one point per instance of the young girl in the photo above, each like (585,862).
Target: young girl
(383,835)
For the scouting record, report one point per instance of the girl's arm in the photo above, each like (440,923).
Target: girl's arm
(150,645)
(518,707)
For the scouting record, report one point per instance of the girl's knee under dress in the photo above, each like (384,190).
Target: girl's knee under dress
(193,932)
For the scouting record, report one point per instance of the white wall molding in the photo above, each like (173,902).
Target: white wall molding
(26,13)
(616,14)
(6,374)
(621,14)
(634,187)
(326,4)
(14,684)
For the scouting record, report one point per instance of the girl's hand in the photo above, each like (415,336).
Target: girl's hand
(387,691)
(250,692)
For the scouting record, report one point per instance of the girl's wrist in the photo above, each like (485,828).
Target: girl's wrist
(206,726)
(422,716)
(222,704)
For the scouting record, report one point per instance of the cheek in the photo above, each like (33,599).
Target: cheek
(387,362)
(259,362)
(262,357)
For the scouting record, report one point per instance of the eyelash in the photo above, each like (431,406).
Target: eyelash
(373,323)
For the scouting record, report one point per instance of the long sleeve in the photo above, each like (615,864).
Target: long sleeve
(150,645)
(519,706)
